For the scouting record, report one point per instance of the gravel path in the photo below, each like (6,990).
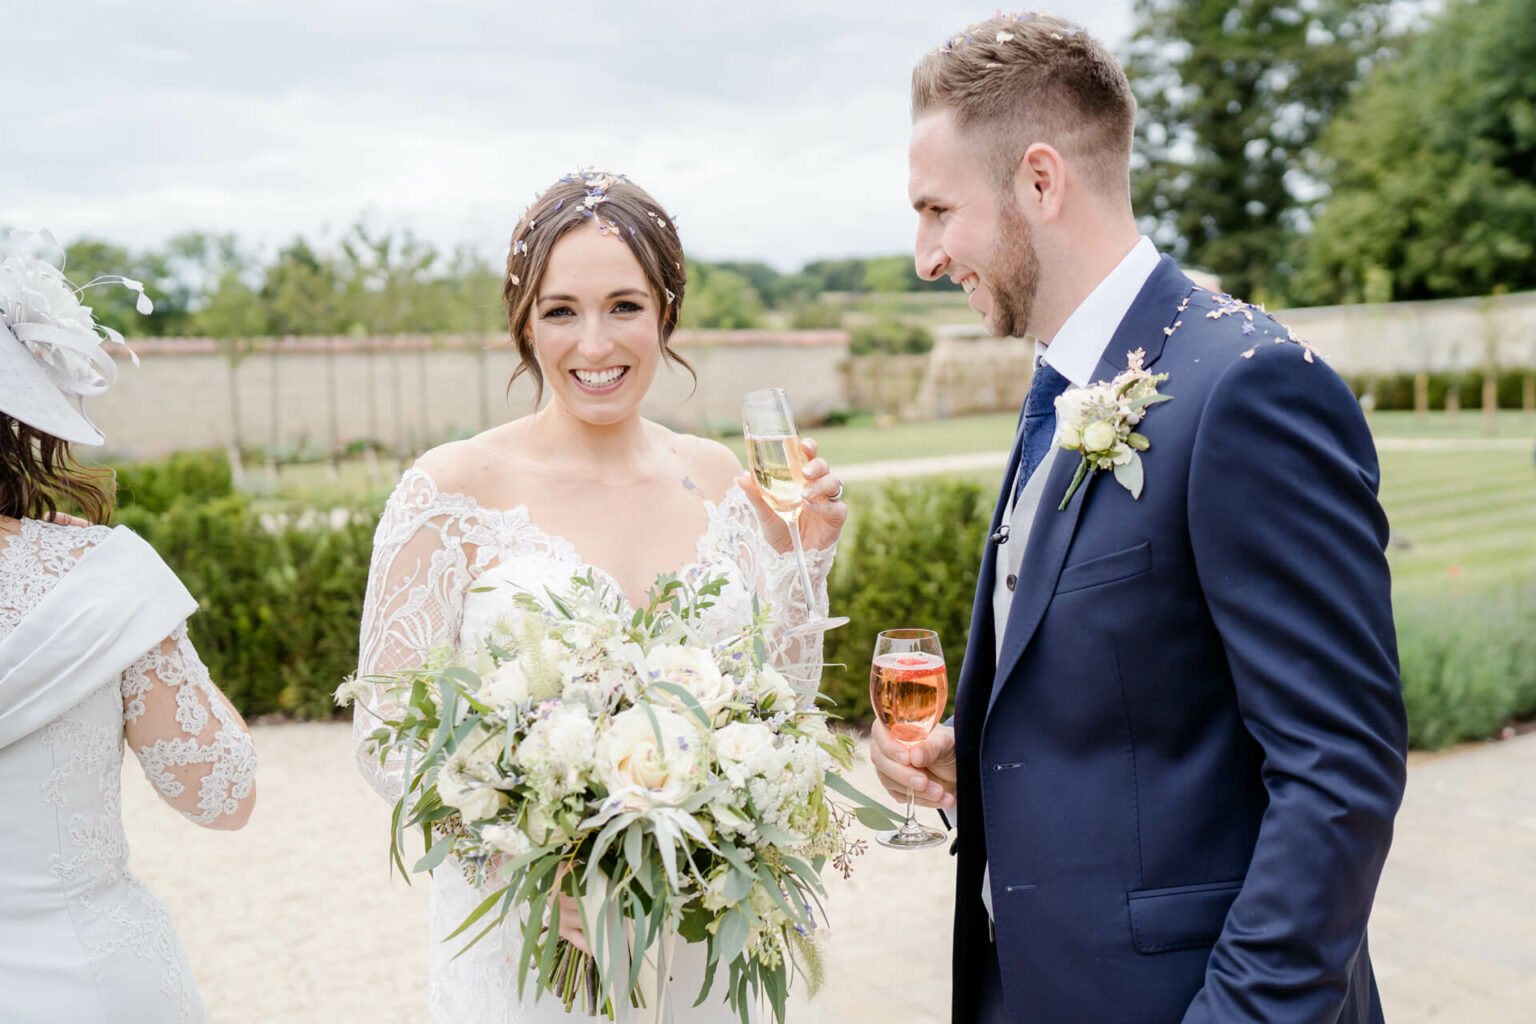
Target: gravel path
(296,919)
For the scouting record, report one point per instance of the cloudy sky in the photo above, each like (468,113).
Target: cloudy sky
(773,131)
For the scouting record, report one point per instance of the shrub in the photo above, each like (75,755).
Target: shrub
(1468,663)
(913,562)
(280,602)
(892,336)
(193,476)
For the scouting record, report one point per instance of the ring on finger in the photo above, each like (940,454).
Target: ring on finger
(838,495)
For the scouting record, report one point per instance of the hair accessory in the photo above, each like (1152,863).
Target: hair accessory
(51,356)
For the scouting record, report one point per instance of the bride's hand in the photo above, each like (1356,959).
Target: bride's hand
(821,518)
(570,915)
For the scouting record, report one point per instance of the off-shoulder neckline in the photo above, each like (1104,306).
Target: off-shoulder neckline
(734,495)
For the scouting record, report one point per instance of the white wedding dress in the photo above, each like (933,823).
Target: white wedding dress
(92,641)
(444,569)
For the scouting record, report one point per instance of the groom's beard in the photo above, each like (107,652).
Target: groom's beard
(1016,275)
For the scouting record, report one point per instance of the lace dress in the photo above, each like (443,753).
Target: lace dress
(81,939)
(444,570)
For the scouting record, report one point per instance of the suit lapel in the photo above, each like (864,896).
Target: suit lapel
(1155,309)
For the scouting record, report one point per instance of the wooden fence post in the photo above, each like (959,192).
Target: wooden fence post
(1491,404)
(1421,394)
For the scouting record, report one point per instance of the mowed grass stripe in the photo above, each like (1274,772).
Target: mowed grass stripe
(1485,509)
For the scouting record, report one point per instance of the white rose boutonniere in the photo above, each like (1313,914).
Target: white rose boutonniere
(1098,422)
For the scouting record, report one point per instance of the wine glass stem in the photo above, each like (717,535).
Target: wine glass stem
(805,573)
(911,821)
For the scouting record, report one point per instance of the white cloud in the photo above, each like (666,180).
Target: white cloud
(774,132)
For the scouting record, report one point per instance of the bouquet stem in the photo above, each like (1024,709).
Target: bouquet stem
(574,980)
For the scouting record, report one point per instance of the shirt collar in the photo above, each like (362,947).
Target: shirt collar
(1079,345)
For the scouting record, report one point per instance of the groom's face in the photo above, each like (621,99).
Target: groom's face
(968,232)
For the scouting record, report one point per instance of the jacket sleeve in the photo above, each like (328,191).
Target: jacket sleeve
(1289,543)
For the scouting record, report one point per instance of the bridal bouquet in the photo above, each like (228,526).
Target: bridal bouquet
(676,787)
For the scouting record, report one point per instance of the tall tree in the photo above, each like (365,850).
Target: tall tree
(1233,94)
(1433,167)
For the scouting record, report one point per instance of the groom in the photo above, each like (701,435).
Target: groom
(1178,741)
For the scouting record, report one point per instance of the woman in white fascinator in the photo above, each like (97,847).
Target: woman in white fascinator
(93,652)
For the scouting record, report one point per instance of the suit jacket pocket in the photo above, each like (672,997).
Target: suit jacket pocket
(1117,565)
(1184,917)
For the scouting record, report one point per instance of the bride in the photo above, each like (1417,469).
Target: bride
(594,285)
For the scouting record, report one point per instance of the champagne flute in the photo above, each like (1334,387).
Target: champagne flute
(778,461)
(908,685)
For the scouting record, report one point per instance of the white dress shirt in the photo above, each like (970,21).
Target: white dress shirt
(1074,353)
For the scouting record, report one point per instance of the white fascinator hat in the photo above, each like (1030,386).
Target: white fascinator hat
(51,354)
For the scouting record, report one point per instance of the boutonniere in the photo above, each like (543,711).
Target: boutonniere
(1098,422)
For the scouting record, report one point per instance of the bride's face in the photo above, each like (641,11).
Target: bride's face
(596,327)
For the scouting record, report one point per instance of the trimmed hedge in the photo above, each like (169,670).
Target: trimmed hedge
(1395,391)
(280,603)
(281,600)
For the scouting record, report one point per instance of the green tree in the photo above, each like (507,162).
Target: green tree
(720,299)
(1433,167)
(388,283)
(1233,94)
(303,293)
(113,305)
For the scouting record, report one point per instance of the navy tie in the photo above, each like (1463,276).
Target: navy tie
(1039,421)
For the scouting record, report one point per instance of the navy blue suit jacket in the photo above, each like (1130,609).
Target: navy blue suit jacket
(1189,755)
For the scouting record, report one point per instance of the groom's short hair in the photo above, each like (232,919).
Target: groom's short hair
(1014,80)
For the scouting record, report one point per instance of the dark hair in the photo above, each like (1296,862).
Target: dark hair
(38,472)
(617,205)
(1015,80)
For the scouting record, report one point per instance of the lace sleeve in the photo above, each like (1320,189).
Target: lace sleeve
(775,578)
(427,550)
(192,743)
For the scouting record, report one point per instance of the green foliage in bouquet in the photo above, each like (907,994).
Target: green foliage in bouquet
(674,786)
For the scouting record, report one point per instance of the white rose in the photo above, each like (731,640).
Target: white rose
(505,839)
(694,669)
(504,686)
(771,683)
(466,781)
(1071,406)
(1100,436)
(1069,435)
(631,761)
(739,741)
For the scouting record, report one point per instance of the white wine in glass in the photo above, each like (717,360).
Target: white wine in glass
(777,461)
(908,686)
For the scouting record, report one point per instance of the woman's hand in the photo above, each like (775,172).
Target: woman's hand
(821,517)
(570,914)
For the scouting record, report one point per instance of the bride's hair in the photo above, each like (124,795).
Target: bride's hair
(618,206)
(38,473)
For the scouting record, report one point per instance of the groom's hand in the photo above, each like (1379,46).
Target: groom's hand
(927,768)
